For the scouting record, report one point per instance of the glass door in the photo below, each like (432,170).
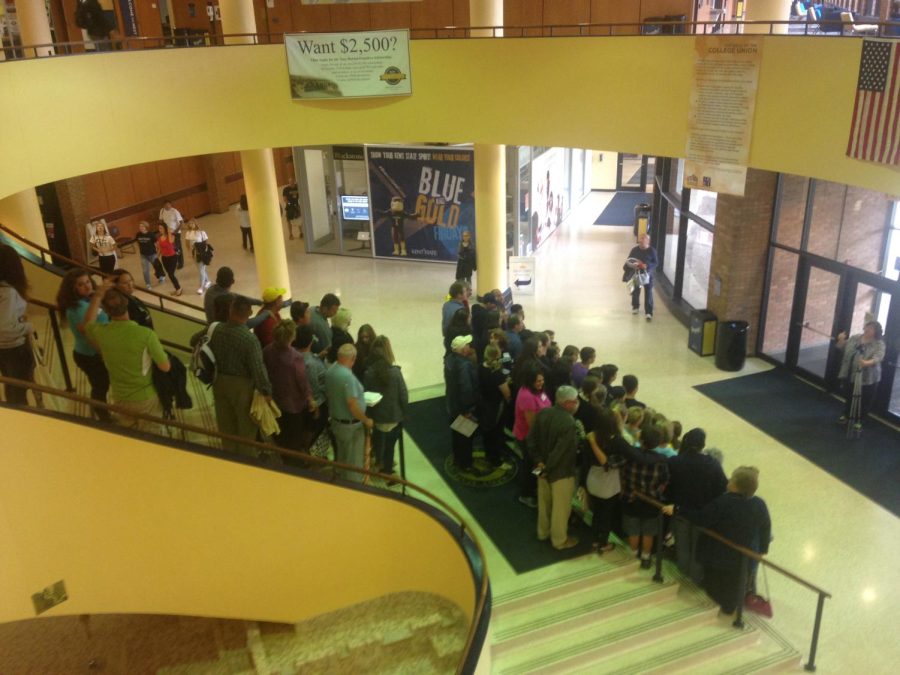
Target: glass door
(817,322)
(631,173)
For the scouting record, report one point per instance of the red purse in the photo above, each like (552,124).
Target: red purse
(757,603)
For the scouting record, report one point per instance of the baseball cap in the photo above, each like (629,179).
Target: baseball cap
(271,293)
(460,341)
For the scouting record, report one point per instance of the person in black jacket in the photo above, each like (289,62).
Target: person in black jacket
(466,263)
(461,380)
(383,376)
(695,479)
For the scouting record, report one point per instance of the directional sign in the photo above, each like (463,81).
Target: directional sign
(521,275)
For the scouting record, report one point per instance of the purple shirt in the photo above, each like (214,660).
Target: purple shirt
(290,388)
(579,372)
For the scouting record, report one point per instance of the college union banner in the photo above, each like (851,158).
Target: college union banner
(422,200)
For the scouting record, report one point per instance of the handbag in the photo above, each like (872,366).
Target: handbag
(758,604)
(603,483)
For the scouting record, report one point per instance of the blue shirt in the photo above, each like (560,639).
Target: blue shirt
(341,384)
(75,316)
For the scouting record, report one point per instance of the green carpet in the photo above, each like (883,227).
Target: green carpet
(511,526)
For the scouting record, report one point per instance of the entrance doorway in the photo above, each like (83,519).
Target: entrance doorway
(634,173)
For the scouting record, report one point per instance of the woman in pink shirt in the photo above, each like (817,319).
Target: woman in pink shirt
(530,400)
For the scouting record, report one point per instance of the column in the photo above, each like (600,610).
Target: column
(237,17)
(265,219)
(490,177)
(767,10)
(34,27)
(21,214)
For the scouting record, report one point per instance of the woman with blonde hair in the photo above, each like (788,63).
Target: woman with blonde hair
(384,377)
(340,335)
(104,246)
(200,251)
(495,397)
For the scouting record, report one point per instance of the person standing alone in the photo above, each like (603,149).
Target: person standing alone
(643,258)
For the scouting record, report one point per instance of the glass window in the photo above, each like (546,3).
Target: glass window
(703,204)
(825,222)
(676,175)
(791,210)
(780,300)
(892,260)
(697,255)
(862,239)
(673,220)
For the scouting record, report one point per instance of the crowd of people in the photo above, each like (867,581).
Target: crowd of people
(573,428)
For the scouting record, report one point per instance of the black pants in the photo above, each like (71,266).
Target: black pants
(292,434)
(494,444)
(605,512)
(179,253)
(725,586)
(17,362)
(170,262)
(462,450)
(865,401)
(107,263)
(95,370)
(648,297)
(527,480)
(247,238)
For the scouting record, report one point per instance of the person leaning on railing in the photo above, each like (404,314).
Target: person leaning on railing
(742,518)
(16,357)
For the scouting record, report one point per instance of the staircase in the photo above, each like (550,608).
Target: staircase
(613,618)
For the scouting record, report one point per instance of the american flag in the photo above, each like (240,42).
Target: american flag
(875,132)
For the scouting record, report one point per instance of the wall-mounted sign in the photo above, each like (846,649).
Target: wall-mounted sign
(723,103)
(349,65)
(354,207)
(521,274)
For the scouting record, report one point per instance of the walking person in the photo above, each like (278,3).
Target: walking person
(146,241)
(243,212)
(73,300)
(201,252)
(173,220)
(643,259)
(105,247)
(16,356)
(165,249)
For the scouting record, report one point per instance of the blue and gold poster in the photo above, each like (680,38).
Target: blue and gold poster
(422,200)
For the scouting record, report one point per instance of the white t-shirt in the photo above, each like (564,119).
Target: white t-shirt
(172,218)
(194,236)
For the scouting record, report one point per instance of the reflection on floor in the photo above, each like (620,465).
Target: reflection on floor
(399,633)
(824,531)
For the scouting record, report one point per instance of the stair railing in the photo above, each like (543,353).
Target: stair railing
(273,454)
(746,556)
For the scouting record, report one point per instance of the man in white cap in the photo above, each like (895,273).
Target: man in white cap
(461,380)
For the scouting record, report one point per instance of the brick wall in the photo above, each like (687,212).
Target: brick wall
(740,250)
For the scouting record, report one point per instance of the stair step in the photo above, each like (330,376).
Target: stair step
(771,654)
(608,569)
(568,612)
(685,650)
(592,641)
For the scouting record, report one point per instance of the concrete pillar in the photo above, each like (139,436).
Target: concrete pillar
(34,27)
(21,214)
(490,216)
(265,219)
(237,17)
(767,10)
(486,13)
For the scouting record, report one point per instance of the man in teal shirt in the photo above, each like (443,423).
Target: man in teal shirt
(347,408)
(128,350)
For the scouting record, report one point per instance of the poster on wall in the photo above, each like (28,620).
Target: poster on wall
(548,194)
(348,65)
(723,103)
(422,199)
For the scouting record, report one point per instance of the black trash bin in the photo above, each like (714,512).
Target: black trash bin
(731,344)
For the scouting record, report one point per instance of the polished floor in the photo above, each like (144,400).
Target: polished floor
(824,530)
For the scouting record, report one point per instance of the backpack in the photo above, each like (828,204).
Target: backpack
(203,252)
(203,361)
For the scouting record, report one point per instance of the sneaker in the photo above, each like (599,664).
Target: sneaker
(571,542)
(857,426)
(635,310)
(842,419)
(529,501)
(207,285)
(161,280)
(649,317)
(200,291)
(646,563)
(149,287)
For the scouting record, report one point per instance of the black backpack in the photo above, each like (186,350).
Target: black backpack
(203,361)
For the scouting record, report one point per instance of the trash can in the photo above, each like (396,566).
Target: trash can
(731,345)
(702,335)
(641,219)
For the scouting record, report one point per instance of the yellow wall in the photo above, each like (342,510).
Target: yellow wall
(603,169)
(74,115)
(137,527)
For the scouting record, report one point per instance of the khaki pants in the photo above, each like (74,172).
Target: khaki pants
(149,407)
(233,396)
(554,508)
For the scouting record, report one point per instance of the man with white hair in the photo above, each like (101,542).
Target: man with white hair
(347,408)
(553,444)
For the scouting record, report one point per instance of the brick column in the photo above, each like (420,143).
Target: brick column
(215,168)
(73,206)
(740,249)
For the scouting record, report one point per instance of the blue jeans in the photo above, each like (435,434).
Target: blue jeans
(648,297)
(149,262)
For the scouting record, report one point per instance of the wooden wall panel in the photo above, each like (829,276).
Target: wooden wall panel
(666,8)
(391,15)
(145,181)
(614,12)
(520,13)
(169,172)
(95,194)
(350,17)
(280,16)
(183,19)
(197,205)
(192,172)
(119,190)
(149,22)
(310,18)
(563,12)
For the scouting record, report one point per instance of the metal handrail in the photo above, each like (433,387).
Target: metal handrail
(46,252)
(335,467)
(53,49)
(746,554)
